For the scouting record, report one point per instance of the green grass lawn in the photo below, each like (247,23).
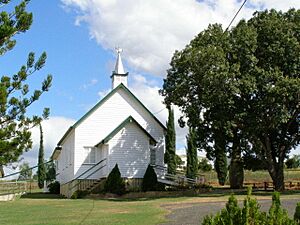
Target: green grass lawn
(49,209)
(80,211)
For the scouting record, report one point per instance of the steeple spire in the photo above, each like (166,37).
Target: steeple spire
(119,69)
(119,76)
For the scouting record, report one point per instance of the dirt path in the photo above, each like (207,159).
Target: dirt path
(193,213)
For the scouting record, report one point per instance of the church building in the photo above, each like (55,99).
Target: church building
(119,129)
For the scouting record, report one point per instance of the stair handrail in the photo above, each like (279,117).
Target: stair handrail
(80,180)
(76,178)
(175,177)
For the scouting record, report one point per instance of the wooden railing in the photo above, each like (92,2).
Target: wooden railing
(13,187)
(178,178)
(86,173)
(288,185)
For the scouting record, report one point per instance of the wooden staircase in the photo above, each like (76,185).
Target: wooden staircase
(175,179)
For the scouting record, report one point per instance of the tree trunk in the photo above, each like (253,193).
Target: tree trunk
(275,167)
(278,182)
(236,172)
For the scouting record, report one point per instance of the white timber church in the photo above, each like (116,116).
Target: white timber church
(119,129)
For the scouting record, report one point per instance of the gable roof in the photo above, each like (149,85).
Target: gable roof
(129,119)
(120,86)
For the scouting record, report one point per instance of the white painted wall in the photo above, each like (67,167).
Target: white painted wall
(129,148)
(107,117)
(66,159)
(99,124)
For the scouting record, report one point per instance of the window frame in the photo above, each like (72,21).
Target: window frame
(87,160)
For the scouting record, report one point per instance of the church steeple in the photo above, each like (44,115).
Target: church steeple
(119,75)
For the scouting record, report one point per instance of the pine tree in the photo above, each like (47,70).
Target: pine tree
(191,154)
(16,96)
(41,166)
(149,180)
(170,154)
(114,182)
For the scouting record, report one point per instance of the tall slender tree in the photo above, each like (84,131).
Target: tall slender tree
(220,162)
(41,166)
(170,154)
(191,154)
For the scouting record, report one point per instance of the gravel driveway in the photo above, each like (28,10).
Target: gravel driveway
(193,213)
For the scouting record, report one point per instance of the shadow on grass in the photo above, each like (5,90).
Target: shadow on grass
(41,195)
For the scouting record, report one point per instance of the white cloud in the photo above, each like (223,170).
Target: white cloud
(149,96)
(151,30)
(91,83)
(53,129)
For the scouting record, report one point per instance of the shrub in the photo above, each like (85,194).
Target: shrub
(54,187)
(297,214)
(79,194)
(250,213)
(114,183)
(149,180)
(278,215)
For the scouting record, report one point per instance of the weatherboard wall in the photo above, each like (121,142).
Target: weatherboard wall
(129,148)
(104,119)
(66,159)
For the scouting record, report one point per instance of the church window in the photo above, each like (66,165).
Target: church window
(90,155)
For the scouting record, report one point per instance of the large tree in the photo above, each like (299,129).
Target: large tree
(15,95)
(170,139)
(242,85)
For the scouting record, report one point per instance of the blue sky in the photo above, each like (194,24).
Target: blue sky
(79,37)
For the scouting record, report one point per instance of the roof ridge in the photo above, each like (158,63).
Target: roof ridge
(101,102)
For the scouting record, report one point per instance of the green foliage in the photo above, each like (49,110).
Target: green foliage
(41,165)
(278,215)
(54,187)
(114,182)
(293,162)
(79,194)
(251,162)
(242,84)
(178,160)
(13,23)
(250,214)
(220,163)
(149,180)
(204,165)
(297,214)
(25,172)
(191,155)
(50,171)
(15,94)
(170,154)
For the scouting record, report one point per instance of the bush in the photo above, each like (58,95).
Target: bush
(54,187)
(79,194)
(149,180)
(293,162)
(114,183)
(204,165)
(297,214)
(250,213)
